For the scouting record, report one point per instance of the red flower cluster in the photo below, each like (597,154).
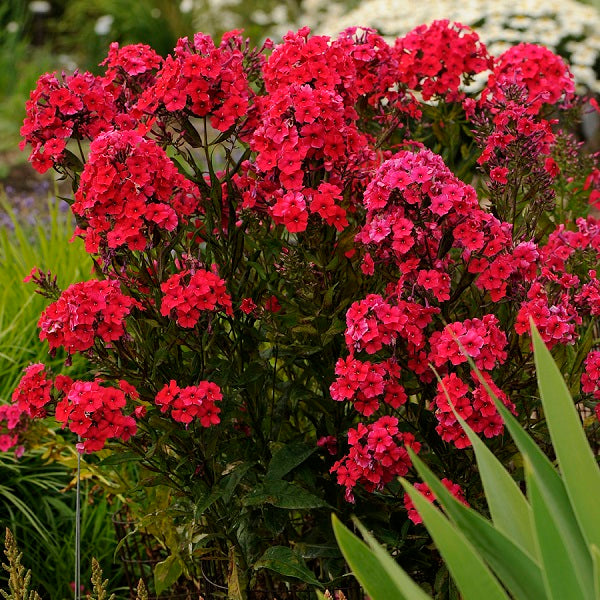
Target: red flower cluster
(566,288)
(189,293)
(308,121)
(85,312)
(95,413)
(129,188)
(202,80)
(478,411)
(453,488)
(191,402)
(377,454)
(437,59)
(33,392)
(590,378)
(78,107)
(414,203)
(481,339)
(545,75)
(364,383)
(128,70)
(12,421)
(129,61)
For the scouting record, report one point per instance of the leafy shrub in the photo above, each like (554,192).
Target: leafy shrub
(285,240)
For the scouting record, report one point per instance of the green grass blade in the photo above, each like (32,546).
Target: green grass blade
(472,576)
(575,458)
(379,574)
(558,568)
(519,572)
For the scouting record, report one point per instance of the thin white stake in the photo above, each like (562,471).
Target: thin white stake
(78,530)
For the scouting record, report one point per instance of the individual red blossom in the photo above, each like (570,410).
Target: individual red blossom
(272,304)
(247,305)
(32,393)
(191,402)
(84,313)
(499,175)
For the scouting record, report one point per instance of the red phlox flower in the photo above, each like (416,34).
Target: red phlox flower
(191,402)
(187,294)
(85,312)
(32,393)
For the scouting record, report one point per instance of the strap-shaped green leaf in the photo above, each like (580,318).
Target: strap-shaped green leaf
(472,576)
(596,560)
(560,574)
(518,571)
(575,458)
(378,573)
(552,489)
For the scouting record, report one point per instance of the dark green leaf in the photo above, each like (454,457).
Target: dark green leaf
(283,495)
(288,458)
(286,562)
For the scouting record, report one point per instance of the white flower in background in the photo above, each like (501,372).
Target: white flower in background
(564,26)
(186,6)
(40,7)
(103,25)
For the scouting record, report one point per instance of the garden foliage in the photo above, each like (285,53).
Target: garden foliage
(287,241)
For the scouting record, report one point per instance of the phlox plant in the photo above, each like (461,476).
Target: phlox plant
(288,242)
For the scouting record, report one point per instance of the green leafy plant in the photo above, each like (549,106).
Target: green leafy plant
(544,545)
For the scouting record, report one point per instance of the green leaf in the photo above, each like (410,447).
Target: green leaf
(166,573)
(288,458)
(519,572)
(558,567)
(374,569)
(285,561)
(472,576)
(283,494)
(551,487)
(510,512)
(596,560)
(119,458)
(575,457)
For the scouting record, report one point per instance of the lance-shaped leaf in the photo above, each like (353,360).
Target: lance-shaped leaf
(575,458)
(509,509)
(559,571)
(519,572)
(551,488)
(378,573)
(472,576)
